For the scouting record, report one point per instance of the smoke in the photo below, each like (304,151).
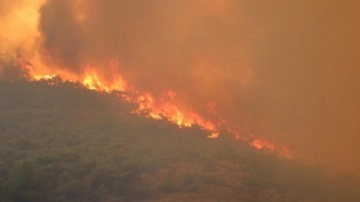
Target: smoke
(308,66)
(18,36)
(284,70)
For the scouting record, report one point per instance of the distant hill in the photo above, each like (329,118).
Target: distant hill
(65,143)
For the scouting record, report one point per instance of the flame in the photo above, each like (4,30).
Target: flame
(264,144)
(163,108)
(92,82)
(172,113)
(46,77)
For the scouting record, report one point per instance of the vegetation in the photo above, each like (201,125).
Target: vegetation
(62,142)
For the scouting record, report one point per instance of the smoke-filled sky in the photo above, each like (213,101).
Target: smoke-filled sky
(286,70)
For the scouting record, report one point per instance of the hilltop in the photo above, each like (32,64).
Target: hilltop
(62,142)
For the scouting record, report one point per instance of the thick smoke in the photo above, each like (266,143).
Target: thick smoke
(18,35)
(194,48)
(285,70)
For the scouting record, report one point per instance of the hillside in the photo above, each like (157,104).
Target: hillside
(65,143)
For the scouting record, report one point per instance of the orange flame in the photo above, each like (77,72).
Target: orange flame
(158,109)
(264,144)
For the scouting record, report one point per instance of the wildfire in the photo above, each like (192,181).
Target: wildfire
(92,82)
(172,113)
(46,77)
(264,144)
(163,108)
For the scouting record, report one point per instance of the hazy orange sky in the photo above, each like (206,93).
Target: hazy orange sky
(286,70)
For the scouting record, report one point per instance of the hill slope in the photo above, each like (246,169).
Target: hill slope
(66,143)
